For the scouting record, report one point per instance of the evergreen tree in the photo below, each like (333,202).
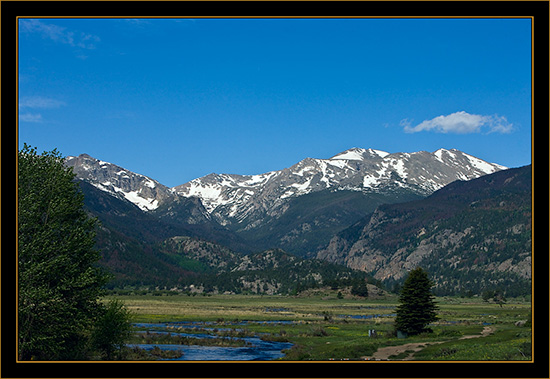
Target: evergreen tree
(417,308)
(58,281)
(359,288)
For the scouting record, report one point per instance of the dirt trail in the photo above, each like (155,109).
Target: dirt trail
(484,333)
(385,352)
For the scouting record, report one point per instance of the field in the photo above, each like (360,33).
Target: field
(325,327)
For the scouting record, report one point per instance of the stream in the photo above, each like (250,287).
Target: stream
(256,349)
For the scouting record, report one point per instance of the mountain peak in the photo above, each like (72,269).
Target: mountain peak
(359,154)
(142,191)
(440,153)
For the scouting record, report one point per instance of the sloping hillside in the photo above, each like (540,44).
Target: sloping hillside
(470,236)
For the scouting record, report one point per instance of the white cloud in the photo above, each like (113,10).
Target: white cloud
(461,123)
(59,34)
(40,102)
(500,125)
(29,117)
(30,103)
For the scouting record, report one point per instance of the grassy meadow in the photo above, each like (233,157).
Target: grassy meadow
(326,327)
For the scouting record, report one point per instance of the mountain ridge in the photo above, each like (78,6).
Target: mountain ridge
(353,169)
(281,209)
(473,233)
(235,199)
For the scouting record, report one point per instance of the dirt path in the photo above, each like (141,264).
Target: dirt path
(385,352)
(484,333)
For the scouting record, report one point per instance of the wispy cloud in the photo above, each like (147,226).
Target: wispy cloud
(33,103)
(29,117)
(39,102)
(59,34)
(137,21)
(460,123)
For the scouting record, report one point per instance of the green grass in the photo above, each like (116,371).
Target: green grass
(508,343)
(319,333)
(244,307)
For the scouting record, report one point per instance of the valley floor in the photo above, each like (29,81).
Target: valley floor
(323,327)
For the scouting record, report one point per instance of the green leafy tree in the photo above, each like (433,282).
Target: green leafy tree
(58,281)
(417,308)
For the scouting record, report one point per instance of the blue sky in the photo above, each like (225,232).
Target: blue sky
(176,99)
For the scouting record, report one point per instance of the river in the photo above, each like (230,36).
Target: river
(256,349)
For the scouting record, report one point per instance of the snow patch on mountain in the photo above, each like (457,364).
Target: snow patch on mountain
(484,166)
(380,153)
(370,181)
(144,204)
(359,154)
(353,155)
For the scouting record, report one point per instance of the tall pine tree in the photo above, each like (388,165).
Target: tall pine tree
(417,308)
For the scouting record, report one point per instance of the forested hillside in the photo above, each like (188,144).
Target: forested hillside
(471,236)
(143,250)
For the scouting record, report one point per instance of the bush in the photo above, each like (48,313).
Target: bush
(111,330)
(318,331)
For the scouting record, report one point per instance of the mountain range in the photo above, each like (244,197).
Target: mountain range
(303,209)
(295,208)
(241,199)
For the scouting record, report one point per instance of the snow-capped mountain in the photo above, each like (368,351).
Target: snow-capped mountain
(297,208)
(140,190)
(247,199)
(236,198)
